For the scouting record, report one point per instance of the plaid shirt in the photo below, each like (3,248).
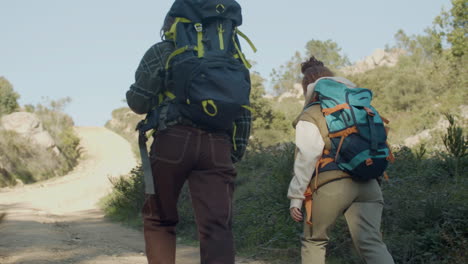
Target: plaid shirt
(241,135)
(148,81)
(142,96)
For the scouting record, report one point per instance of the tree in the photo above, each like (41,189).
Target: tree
(328,52)
(453,26)
(288,74)
(423,47)
(455,142)
(269,126)
(8,97)
(262,110)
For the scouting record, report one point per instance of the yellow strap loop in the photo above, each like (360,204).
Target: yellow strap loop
(234,132)
(246,39)
(170,95)
(248,108)
(167,94)
(211,103)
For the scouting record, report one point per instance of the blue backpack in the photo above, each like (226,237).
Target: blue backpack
(356,130)
(208,72)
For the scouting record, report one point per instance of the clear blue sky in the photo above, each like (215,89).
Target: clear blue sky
(89,49)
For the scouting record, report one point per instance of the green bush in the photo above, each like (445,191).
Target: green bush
(424,218)
(23,160)
(8,97)
(456,144)
(126,201)
(60,127)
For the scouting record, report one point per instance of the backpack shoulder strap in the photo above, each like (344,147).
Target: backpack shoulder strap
(310,105)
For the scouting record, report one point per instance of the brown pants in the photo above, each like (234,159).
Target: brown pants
(183,153)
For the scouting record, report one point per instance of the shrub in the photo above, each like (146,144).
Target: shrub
(456,144)
(126,201)
(8,97)
(23,160)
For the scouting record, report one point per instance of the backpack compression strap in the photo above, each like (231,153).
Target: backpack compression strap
(145,162)
(308,201)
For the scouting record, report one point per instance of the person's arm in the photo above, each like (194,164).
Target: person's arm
(148,81)
(309,144)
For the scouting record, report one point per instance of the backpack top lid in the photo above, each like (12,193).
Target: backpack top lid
(199,10)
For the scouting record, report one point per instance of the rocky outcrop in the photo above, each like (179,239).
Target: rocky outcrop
(441,126)
(378,58)
(296,92)
(125,121)
(29,126)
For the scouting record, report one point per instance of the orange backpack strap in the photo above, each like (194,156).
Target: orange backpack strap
(309,193)
(390,157)
(308,205)
(329,111)
(321,163)
(308,201)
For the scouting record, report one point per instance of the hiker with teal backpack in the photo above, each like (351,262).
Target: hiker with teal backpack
(342,138)
(194,87)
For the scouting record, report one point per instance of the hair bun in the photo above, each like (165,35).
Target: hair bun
(312,62)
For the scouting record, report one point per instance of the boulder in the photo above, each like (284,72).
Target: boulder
(378,58)
(440,127)
(296,92)
(29,126)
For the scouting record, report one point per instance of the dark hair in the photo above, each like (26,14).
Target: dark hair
(313,70)
(168,21)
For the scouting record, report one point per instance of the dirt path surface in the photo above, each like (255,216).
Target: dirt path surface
(58,221)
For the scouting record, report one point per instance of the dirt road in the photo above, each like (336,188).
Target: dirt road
(58,221)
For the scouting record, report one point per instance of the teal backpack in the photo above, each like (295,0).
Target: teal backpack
(356,130)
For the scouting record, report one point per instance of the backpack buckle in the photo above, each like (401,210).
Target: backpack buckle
(198,27)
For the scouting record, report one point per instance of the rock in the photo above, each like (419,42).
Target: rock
(440,127)
(295,93)
(378,58)
(30,127)
(420,137)
(464,111)
(19,183)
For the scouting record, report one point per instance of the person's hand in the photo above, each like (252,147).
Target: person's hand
(296,214)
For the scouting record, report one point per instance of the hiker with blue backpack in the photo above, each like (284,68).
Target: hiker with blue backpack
(341,153)
(194,87)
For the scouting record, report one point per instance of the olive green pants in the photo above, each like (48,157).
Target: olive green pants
(361,204)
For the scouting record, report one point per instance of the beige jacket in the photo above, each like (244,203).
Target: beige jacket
(311,139)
